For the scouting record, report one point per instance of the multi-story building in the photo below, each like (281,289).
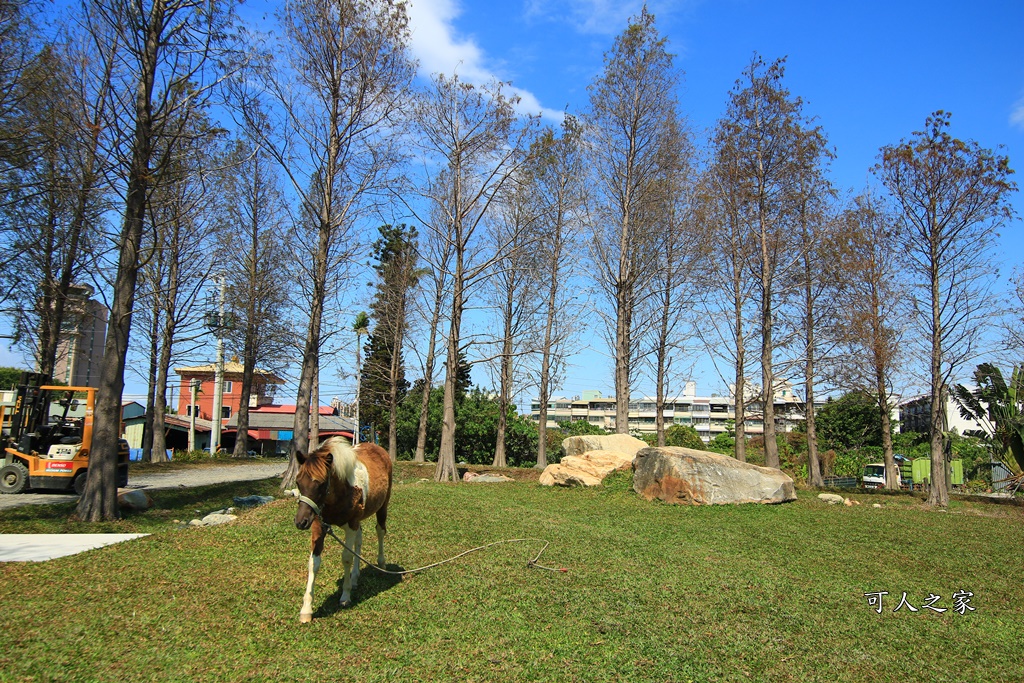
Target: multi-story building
(709,415)
(915,416)
(80,349)
(264,387)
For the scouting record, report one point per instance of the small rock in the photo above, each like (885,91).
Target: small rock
(847,502)
(196,522)
(856,502)
(485,477)
(876,505)
(134,499)
(830,498)
(215,518)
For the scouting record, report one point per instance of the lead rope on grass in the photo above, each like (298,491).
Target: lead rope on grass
(531,564)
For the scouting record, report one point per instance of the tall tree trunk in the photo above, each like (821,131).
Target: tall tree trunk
(154,355)
(428,379)
(242,419)
(813,462)
(166,344)
(393,377)
(938,492)
(740,397)
(892,471)
(314,413)
(446,469)
(99,500)
(160,396)
(771,448)
(623,343)
(545,363)
(505,372)
(310,353)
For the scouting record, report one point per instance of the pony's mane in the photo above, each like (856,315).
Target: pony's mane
(344,460)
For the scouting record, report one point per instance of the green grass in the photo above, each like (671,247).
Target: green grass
(654,592)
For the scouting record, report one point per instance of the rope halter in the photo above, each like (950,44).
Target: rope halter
(314,506)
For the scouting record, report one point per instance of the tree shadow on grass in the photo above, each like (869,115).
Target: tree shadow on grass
(371,583)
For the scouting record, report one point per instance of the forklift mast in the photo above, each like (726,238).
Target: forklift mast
(30,410)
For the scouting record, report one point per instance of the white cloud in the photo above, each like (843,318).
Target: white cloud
(1017,115)
(435,43)
(603,17)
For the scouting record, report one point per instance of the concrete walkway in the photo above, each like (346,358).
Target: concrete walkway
(42,547)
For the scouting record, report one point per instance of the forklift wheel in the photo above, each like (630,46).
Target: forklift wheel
(13,478)
(79,483)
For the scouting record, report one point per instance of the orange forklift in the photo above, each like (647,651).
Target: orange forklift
(48,441)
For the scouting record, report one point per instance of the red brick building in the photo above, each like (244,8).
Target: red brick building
(264,386)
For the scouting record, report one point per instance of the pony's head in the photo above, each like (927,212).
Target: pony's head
(334,459)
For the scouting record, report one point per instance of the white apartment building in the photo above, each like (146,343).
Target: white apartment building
(709,415)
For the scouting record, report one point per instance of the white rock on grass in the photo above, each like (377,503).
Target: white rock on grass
(831,498)
(588,469)
(614,443)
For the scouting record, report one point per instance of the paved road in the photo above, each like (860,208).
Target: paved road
(161,480)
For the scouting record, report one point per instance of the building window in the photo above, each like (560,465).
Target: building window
(225,411)
(189,409)
(228,386)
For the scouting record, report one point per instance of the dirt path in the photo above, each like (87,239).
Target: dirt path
(160,480)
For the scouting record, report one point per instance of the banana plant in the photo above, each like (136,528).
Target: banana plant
(999,407)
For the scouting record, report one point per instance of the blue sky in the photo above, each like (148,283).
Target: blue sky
(870,71)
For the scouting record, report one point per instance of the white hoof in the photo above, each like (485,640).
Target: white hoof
(305,617)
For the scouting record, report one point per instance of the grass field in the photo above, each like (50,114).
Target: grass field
(653,592)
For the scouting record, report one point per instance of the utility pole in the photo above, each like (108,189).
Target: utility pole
(193,385)
(216,322)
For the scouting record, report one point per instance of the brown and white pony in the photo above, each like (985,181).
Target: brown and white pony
(341,486)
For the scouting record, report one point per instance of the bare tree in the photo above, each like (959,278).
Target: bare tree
(514,293)
(819,274)
(16,53)
(165,57)
(953,197)
(726,326)
(61,196)
(768,133)
(339,80)
(437,295)
(255,245)
(478,143)
(559,178)
(1013,326)
(871,310)
(632,111)
(671,284)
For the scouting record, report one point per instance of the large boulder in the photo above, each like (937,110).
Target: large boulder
(691,477)
(617,443)
(588,469)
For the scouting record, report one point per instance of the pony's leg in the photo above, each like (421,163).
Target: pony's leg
(358,547)
(382,520)
(346,561)
(317,535)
